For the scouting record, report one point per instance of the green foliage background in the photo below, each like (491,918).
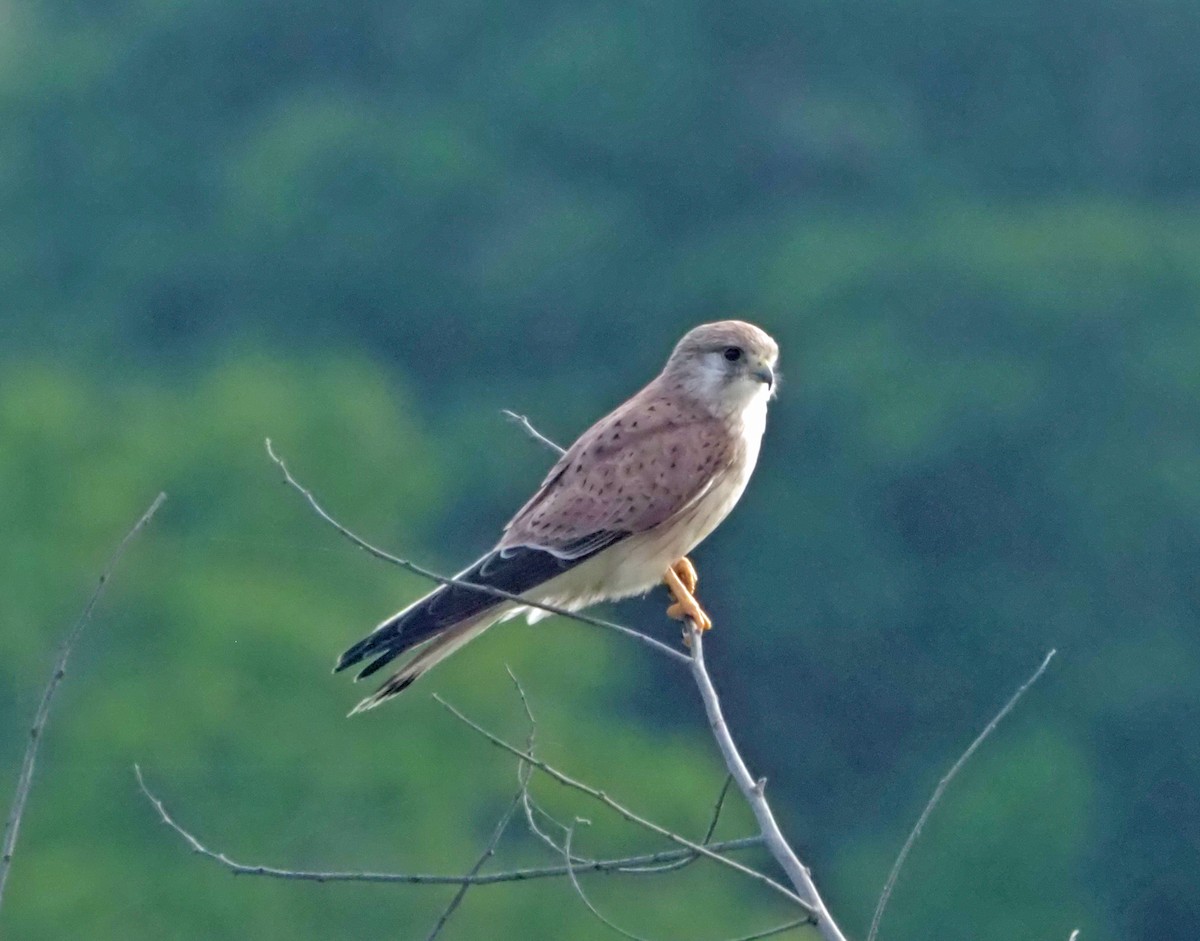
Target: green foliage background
(364,228)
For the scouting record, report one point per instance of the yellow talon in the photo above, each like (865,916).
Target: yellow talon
(685,606)
(687,574)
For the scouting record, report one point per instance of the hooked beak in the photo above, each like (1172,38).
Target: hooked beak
(764,373)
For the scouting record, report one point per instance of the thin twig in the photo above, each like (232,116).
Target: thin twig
(941,789)
(718,807)
(600,916)
(532,432)
(488,853)
(708,834)
(524,770)
(778,929)
(25,778)
(532,808)
(753,792)
(523,774)
(378,553)
(513,875)
(525,706)
(622,810)
(571,870)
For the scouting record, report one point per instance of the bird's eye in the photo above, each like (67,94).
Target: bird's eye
(733,353)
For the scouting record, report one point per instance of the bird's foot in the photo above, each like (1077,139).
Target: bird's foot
(681,579)
(687,574)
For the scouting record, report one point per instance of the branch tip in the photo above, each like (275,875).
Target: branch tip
(938,791)
(12,825)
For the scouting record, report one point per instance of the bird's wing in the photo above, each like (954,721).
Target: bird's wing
(630,472)
(635,469)
(512,571)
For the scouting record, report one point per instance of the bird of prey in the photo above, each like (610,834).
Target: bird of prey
(616,515)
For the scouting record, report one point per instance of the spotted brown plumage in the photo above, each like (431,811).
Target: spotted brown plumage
(628,473)
(626,502)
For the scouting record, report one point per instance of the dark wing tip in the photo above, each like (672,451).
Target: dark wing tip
(377,664)
(513,569)
(385,645)
(353,655)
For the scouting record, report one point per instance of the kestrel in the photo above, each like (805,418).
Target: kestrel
(617,514)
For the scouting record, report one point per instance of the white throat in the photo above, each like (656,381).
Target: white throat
(753,421)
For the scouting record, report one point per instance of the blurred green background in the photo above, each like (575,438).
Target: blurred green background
(364,228)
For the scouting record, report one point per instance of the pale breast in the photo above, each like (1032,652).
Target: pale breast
(728,487)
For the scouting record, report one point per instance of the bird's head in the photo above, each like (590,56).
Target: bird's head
(728,365)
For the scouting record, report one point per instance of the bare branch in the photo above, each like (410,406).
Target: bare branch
(941,789)
(708,834)
(532,432)
(378,553)
(571,869)
(583,895)
(532,809)
(525,706)
(25,779)
(778,929)
(488,853)
(513,875)
(753,792)
(622,810)
(524,771)
(718,807)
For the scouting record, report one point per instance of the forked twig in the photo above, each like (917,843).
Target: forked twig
(524,771)
(708,834)
(609,923)
(531,431)
(532,808)
(754,793)
(488,852)
(622,810)
(25,779)
(587,902)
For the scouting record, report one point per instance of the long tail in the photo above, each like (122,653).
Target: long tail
(442,646)
(423,620)
(420,622)
(448,617)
